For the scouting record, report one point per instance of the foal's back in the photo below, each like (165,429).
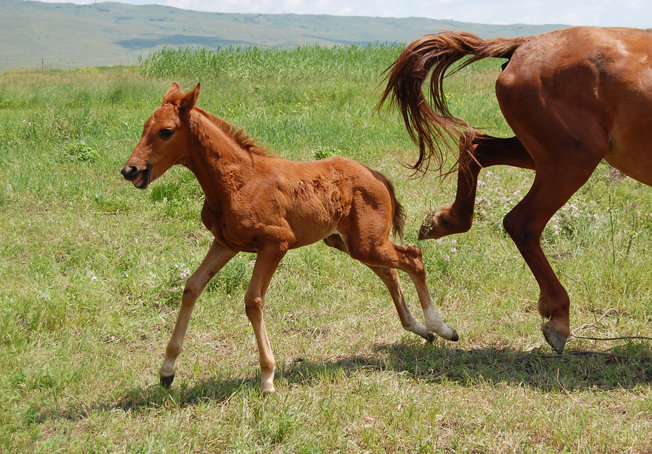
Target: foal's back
(314,199)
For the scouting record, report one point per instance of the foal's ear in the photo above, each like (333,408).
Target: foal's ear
(174,89)
(190,99)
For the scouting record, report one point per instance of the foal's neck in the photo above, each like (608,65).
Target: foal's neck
(220,163)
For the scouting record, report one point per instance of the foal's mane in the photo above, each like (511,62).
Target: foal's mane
(241,136)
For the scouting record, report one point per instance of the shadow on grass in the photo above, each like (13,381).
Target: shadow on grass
(622,367)
(155,397)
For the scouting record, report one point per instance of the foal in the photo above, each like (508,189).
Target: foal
(268,205)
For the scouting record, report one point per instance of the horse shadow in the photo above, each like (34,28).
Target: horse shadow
(141,398)
(621,368)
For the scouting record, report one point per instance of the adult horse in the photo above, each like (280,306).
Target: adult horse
(572,98)
(264,204)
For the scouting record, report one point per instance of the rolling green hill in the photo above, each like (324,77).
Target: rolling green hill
(33,34)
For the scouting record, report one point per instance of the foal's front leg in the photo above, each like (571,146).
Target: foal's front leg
(266,264)
(217,257)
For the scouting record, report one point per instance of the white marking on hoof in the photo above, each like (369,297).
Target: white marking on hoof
(267,383)
(167,368)
(419,329)
(437,325)
(434,322)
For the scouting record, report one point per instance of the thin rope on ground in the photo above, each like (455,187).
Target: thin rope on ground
(594,324)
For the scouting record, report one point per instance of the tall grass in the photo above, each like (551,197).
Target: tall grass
(266,65)
(91,273)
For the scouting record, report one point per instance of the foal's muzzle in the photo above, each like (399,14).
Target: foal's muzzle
(129,171)
(139,177)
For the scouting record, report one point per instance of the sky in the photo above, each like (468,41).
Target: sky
(626,13)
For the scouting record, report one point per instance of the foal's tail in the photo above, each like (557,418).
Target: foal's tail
(428,125)
(398,215)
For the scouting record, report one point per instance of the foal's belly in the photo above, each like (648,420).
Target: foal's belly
(311,224)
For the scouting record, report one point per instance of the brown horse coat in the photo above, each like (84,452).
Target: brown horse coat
(573,97)
(267,205)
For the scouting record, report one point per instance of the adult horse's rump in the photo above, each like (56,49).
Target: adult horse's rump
(572,97)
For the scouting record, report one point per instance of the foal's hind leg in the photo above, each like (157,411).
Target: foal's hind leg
(385,254)
(217,257)
(416,271)
(389,276)
(477,151)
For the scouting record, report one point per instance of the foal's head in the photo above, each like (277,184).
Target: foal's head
(164,141)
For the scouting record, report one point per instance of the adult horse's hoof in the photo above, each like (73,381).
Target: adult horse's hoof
(442,223)
(554,338)
(425,231)
(166,382)
(428,227)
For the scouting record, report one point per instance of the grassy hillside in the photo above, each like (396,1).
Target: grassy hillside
(92,271)
(65,35)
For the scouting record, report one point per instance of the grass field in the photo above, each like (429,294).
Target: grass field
(91,272)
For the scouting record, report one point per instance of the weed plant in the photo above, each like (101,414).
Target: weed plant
(92,270)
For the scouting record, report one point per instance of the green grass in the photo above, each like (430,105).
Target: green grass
(92,270)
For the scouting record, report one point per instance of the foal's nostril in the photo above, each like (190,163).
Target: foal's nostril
(128,171)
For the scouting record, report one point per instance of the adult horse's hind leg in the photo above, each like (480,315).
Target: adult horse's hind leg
(215,259)
(566,164)
(552,187)
(477,151)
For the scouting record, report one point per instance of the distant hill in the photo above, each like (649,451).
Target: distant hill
(33,34)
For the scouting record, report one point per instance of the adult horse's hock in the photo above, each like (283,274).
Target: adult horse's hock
(572,98)
(268,205)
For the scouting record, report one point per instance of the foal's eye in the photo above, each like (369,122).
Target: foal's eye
(166,133)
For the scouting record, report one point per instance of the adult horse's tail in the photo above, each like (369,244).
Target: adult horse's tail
(428,125)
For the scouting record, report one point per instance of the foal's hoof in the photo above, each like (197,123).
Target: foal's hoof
(554,338)
(166,382)
(451,337)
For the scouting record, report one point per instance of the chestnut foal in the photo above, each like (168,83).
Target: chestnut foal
(268,205)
